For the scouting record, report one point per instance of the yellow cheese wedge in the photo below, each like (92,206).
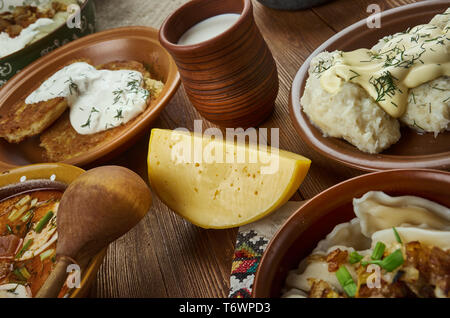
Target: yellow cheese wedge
(219,184)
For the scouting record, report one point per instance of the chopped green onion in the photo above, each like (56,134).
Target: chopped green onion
(19,274)
(397,236)
(15,214)
(25,247)
(346,281)
(393,261)
(355,257)
(47,254)
(25,273)
(27,216)
(9,229)
(23,201)
(43,222)
(350,289)
(377,262)
(378,251)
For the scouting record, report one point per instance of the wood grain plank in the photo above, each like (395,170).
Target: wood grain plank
(165,256)
(292,37)
(339,14)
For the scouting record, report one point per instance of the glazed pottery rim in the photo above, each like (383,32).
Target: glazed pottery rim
(46,38)
(151,113)
(246,11)
(394,173)
(296,7)
(355,158)
(93,264)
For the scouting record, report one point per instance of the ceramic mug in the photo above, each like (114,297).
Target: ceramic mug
(231,79)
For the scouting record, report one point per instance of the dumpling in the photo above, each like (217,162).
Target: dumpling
(436,238)
(378,211)
(345,234)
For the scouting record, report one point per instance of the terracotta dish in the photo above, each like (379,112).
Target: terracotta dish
(412,150)
(231,79)
(49,177)
(313,221)
(128,43)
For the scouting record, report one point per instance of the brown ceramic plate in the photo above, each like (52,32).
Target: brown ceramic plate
(128,43)
(412,150)
(314,220)
(49,176)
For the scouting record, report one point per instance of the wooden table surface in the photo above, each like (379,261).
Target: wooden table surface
(165,256)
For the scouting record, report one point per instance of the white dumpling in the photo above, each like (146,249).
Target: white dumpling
(436,238)
(14,291)
(345,234)
(378,211)
(314,267)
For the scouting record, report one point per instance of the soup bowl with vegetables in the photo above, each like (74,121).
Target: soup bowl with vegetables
(384,234)
(29,199)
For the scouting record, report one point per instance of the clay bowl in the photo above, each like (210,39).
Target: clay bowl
(231,79)
(412,150)
(128,43)
(300,234)
(49,177)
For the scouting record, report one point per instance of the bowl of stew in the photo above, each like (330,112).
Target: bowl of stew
(29,199)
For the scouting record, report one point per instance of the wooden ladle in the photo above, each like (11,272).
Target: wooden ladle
(96,209)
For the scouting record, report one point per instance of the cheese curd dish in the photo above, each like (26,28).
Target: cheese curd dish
(364,96)
(394,247)
(23,25)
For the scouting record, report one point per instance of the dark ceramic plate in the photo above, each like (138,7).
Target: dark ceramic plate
(15,62)
(412,150)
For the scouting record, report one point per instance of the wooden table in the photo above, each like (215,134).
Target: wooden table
(165,256)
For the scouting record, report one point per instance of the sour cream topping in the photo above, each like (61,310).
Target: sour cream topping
(404,61)
(9,45)
(98,99)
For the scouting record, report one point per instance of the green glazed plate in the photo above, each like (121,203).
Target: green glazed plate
(13,63)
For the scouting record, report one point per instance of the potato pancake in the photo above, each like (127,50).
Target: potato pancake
(61,141)
(27,120)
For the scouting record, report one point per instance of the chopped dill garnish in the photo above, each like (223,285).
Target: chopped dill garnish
(355,76)
(438,88)
(413,97)
(416,125)
(384,86)
(88,122)
(72,86)
(119,114)
(322,66)
(117,95)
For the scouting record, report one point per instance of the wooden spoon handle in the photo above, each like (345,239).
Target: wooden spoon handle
(56,280)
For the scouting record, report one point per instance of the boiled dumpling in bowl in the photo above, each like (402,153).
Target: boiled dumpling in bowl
(404,241)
